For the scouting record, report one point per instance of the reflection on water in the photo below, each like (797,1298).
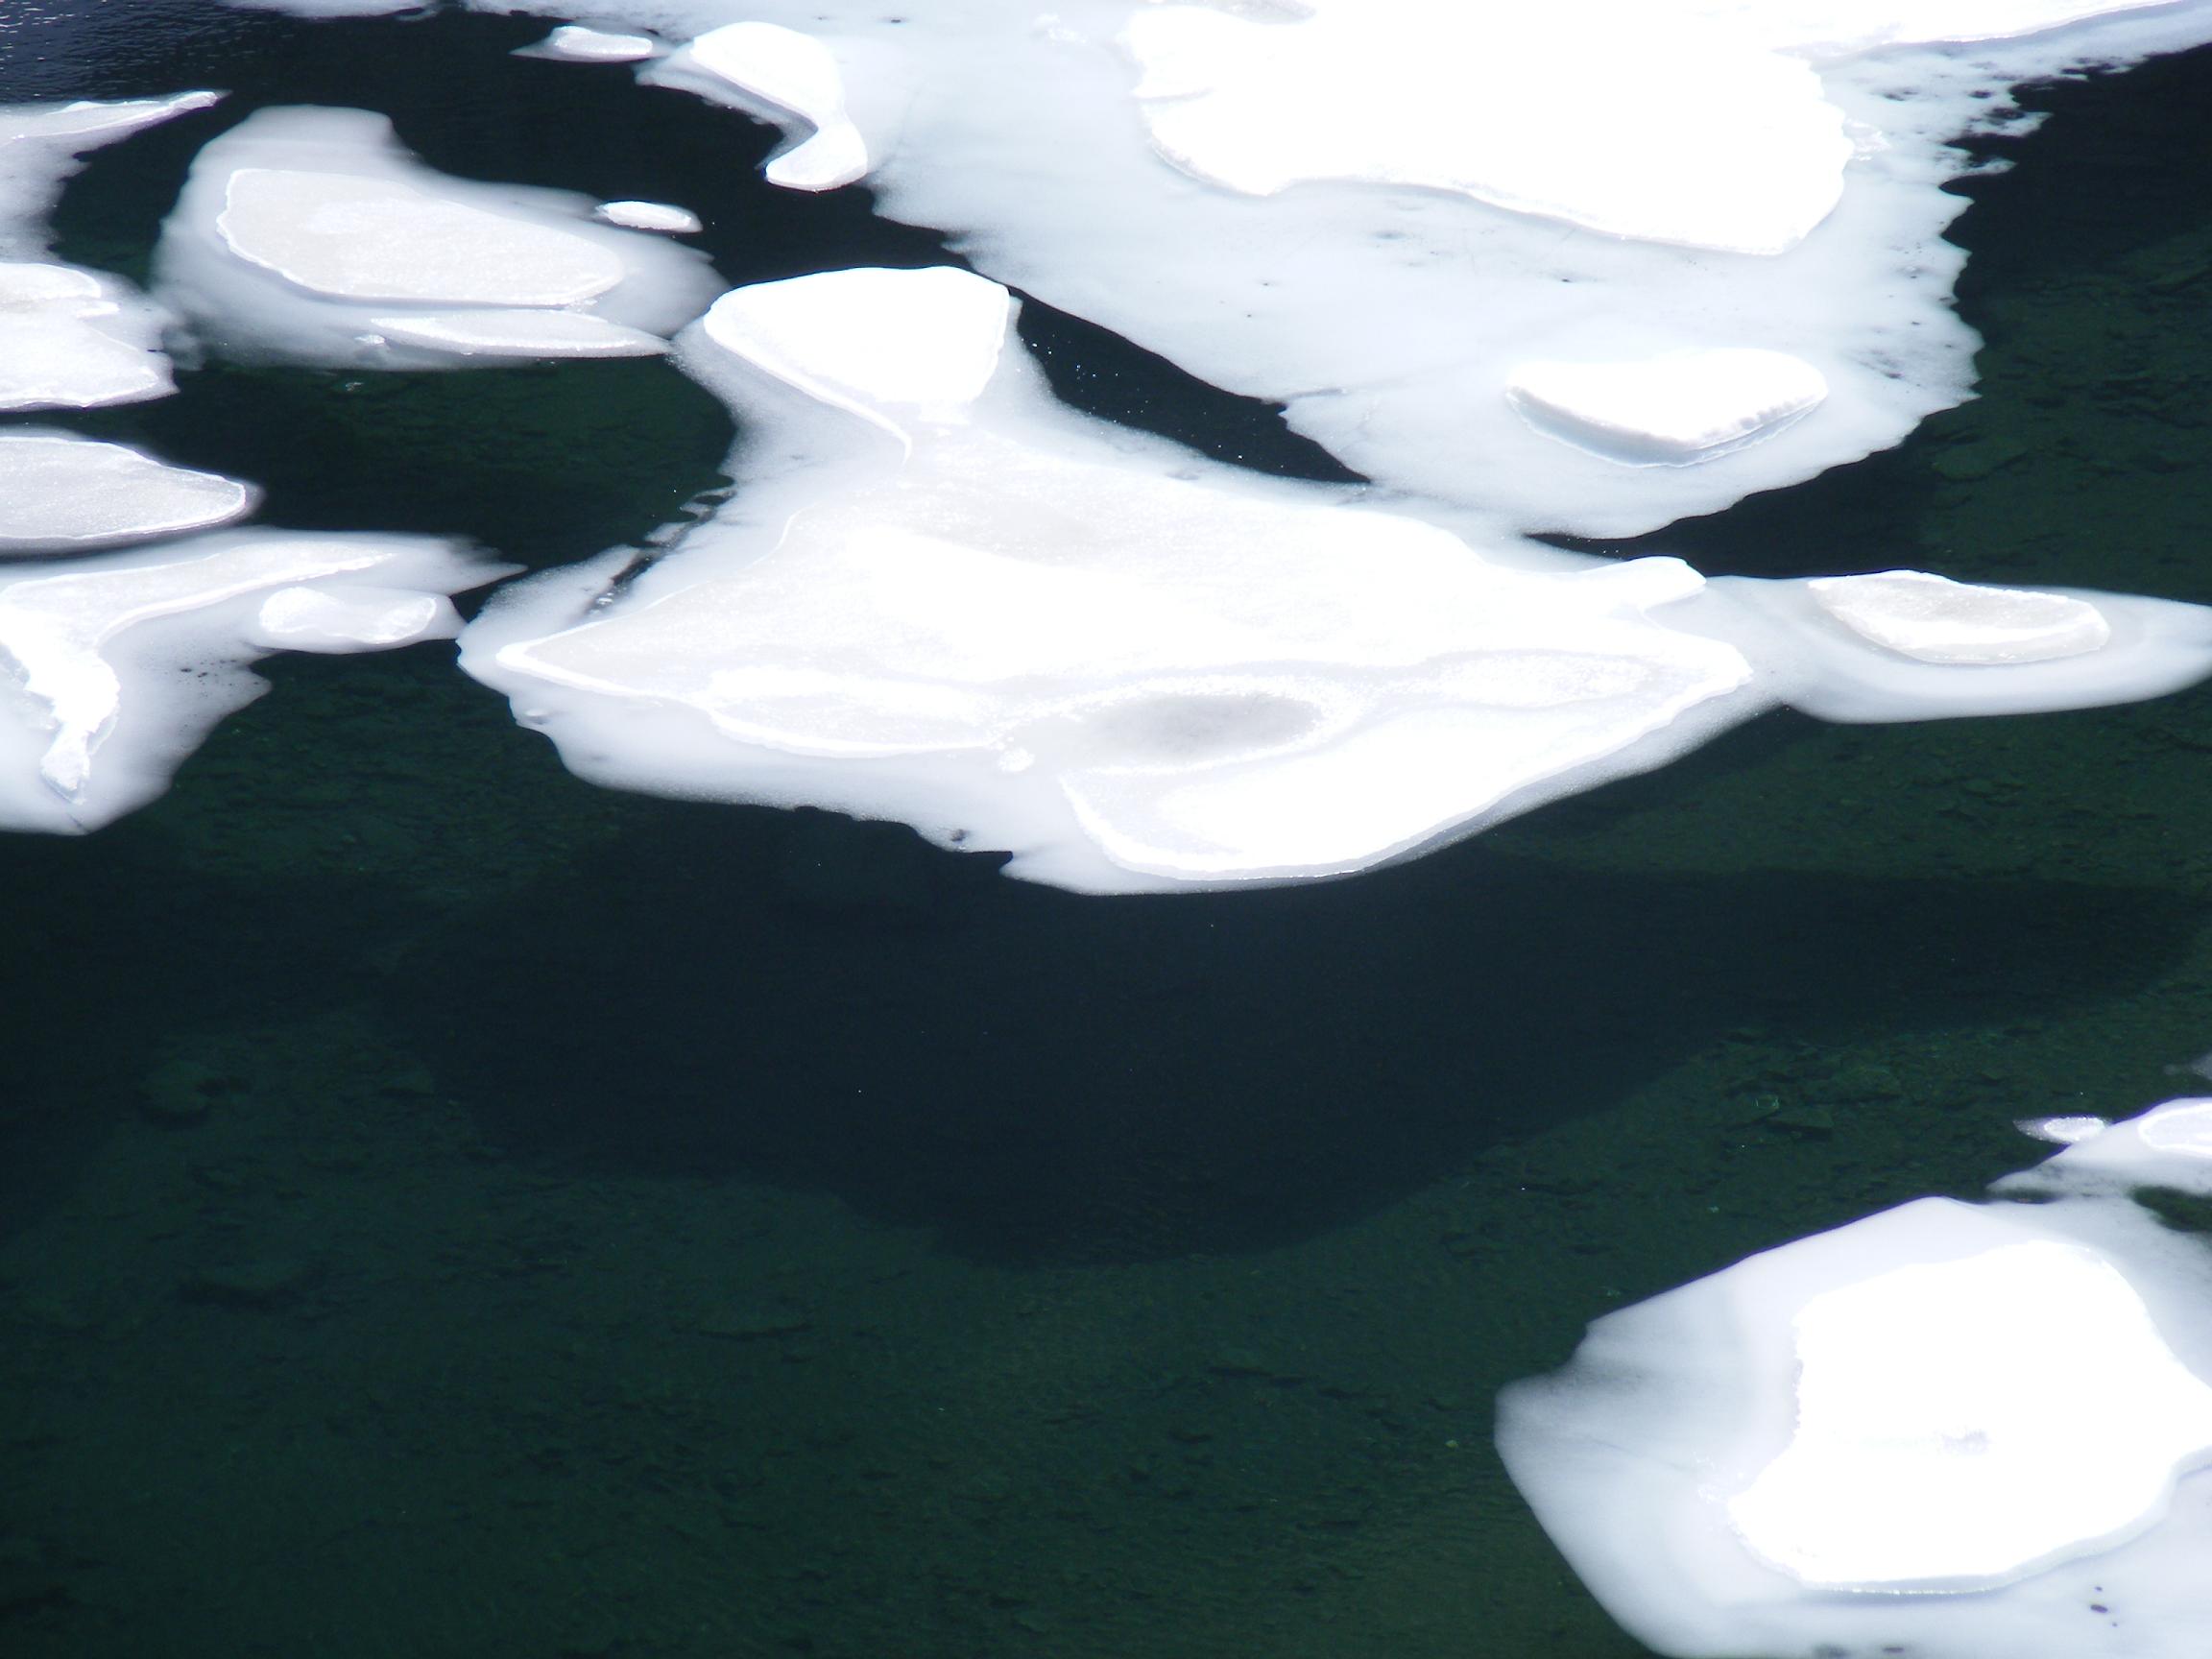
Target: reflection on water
(445,1208)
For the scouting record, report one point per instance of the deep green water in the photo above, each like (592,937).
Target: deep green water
(450,1209)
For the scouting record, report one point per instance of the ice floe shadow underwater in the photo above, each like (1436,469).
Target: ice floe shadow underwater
(1094,872)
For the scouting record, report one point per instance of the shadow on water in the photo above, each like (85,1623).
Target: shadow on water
(1043,1077)
(112,949)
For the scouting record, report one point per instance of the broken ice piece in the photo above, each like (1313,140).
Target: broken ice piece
(574,43)
(1933,619)
(777,73)
(121,662)
(1672,410)
(62,494)
(661,216)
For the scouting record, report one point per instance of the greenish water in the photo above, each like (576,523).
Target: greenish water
(448,1209)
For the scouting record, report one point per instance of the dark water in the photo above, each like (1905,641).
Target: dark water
(445,1209)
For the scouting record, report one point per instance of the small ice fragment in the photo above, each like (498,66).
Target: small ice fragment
(2066,1131)
(60,492)
(792,74)
(658,216)
(1672,410)
(1933,619)
(348,619)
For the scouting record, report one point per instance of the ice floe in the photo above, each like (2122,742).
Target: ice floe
(309,235)
(63,493)
(1950,1429)
(940,596)
(114,667)
(1447,237)
(783,76)
(71,338)
(74,339)
(41,144)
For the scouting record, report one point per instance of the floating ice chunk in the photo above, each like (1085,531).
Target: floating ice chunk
(1389,314)
(2169,1146)
(1933,619)
(1601,141)
(1940,1441)
(1629,122)
(574,43)
(121,663)
(1948,1430)
(1672,410)
(783,76)
(40,144)
(70,339)
(518,333)
(60,492)
(1032,632)
(299,231)
(2064,1130)
(890,345)
(73,340)
(1834,647)
(353,617)
(661,216)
